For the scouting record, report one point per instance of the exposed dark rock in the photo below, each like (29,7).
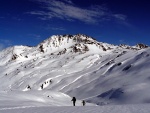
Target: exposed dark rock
(110,62)
(141,46)
(119,64)
(14,57)
(41,48)
(127,68)
(28,87)
(26,56)
(62,52)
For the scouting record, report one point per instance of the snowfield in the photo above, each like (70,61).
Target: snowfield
(109,78)
(90,109)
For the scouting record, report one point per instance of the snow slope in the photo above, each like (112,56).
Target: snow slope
(103,109)
(64,66)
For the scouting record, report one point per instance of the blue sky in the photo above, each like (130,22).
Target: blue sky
(28,22)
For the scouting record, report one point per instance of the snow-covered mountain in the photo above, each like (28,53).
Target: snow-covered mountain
(75,65)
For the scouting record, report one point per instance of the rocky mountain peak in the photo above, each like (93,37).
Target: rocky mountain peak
(141,46)
(78,42)
(78,38)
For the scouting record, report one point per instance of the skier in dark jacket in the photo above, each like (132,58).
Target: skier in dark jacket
(83,103)
(74,101)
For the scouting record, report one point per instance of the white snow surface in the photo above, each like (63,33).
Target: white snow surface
(89,109)
(38,78)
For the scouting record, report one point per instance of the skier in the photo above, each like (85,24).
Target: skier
(74,101)
(83,103)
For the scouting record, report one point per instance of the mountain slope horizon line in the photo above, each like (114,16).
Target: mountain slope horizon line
(59,44)
(83,38)
(89,38)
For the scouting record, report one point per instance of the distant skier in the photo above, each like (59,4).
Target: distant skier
(74,101)
(83,103)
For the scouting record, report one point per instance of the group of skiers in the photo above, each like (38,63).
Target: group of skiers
(74,101)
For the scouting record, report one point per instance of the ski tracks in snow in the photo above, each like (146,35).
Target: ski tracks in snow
(12,108)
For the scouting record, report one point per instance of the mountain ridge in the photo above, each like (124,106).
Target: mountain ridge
(78,65)
(79,38)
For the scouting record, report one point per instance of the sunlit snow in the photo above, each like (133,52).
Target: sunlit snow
(61,67)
